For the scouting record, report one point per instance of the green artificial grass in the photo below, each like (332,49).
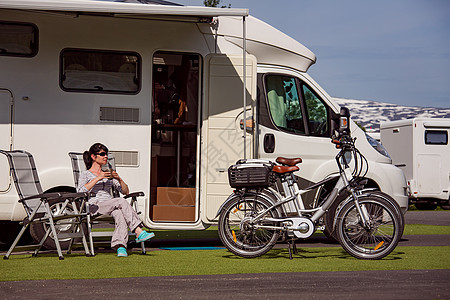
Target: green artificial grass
(211,232)
(421,229)
(206,262)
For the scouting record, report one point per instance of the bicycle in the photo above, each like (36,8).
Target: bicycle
(369,223)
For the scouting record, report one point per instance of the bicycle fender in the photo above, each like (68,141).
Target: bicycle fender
(233,195)
(224,203)
(364,193)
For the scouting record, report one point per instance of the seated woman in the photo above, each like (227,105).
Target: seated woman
(99,182)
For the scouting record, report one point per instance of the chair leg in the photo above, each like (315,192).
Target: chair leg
(69,249)
(79,225)
(91,240)
(41,243)
(143,248)
(83,239)
(14,244)
(55,233)
(25,226)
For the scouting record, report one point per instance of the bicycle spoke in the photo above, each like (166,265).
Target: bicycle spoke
(238,232)
(376,240)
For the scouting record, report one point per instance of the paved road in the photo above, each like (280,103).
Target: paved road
(404,284)
(392,284)
(428,217)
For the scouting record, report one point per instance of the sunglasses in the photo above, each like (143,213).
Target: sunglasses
(102,153)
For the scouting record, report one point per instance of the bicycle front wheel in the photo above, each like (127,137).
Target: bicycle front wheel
(376,240)
(238,231)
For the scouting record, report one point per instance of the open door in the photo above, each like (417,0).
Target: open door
(175,155)
(6,133)
(222,136)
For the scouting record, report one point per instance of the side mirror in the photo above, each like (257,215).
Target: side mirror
(344,121)
(249,124)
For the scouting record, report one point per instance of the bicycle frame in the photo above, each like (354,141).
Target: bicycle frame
(294,195)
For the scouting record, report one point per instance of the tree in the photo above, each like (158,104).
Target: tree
(214,3)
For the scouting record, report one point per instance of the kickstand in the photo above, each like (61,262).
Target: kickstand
(291,243)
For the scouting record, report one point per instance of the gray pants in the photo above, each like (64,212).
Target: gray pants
(124,217)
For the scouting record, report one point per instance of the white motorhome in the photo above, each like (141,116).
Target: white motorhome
(77,72)
(421,149)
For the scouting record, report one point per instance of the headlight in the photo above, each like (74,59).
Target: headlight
(377,146)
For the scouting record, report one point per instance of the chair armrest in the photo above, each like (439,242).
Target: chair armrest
(43,196)
(78,195)
(134,195)
(48,196)
(133,201)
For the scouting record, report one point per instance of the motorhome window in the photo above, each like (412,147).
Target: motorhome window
(284,103)
(436,137)
(18,39)
(316,112)
(100,71)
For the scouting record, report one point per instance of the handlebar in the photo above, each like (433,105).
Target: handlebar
(344,142)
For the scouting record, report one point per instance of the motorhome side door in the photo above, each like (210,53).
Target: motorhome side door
(6,115)
(294,121)
(222,137)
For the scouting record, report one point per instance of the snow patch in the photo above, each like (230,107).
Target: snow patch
(371,113)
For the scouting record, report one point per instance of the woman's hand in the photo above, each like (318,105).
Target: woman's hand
(123,185)
(114,175)
(106,174)
(101,175)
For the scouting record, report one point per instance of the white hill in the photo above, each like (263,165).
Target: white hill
(370,113)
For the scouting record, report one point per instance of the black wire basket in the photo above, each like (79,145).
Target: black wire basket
(250,175)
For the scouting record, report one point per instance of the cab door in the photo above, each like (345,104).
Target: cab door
(294,120)
(6,115)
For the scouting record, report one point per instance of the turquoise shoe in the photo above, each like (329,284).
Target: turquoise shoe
(122,252)
(143,236)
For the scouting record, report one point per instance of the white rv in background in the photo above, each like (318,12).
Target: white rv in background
(77,72)
(420,147)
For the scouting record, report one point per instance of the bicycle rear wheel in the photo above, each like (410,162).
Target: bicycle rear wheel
(237,231)
(376,241)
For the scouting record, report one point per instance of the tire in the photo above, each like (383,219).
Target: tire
(330,229)
(445,207)
(10,230)
(238,235)
(328,219)
(37,230)
(426,206)
(374,243)
(380,194)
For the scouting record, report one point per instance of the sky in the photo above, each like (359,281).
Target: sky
(395,51)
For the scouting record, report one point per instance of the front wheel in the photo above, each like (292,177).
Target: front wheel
(237,231)
(376,240)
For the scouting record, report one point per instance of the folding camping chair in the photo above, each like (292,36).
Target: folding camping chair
(37,207)
(78,166)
